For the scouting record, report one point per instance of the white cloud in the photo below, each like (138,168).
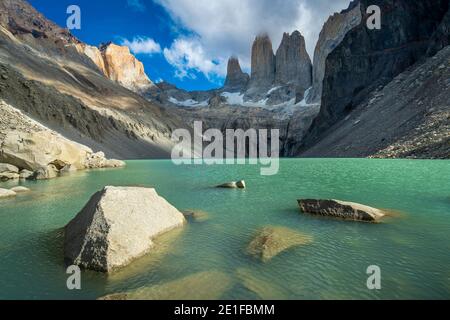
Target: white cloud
(188,54)
(142,45)
(228,27)
(136,5)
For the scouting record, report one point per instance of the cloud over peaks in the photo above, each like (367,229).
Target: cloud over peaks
(142,45)
(222,28)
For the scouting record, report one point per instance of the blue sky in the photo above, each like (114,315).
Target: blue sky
(188,42)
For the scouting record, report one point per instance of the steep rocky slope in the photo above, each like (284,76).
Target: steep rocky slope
(367,59)
(408,118)
(441,37)
(39,152)
(332,34)
(48,78)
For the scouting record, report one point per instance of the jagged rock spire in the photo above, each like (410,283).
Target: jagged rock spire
(236,79)
(263,62)
(293,64)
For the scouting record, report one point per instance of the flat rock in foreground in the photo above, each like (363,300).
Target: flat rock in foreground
(116,226)
(209,285)
(341,209)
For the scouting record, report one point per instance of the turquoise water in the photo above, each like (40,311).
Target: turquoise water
(411,248)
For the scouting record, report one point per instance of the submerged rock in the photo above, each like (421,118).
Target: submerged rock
(263,288)
(5,193)
(271,241)
(20,189)
(116,226)
(200,286)
(341,209)
(196,215)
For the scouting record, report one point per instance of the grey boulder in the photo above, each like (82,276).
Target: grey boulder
(118,225)
(341,209)
(233,185)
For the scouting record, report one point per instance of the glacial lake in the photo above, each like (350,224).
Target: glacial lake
(412,247)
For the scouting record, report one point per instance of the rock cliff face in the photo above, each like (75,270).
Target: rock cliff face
(332,34)
(293,65)
(263,63)
(123,67)
(367,59)
(95,55)
(119,65)
(441,37)
(407,118)
(236,79)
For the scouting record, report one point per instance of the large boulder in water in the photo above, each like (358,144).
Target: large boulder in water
(341,209)
(116,226)
(271,241)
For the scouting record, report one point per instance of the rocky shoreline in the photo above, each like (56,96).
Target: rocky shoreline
(29,150)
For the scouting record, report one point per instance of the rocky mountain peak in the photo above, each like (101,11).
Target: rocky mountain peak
(293,64)
(263,62)
(22,20)
(236,79)
(120,65)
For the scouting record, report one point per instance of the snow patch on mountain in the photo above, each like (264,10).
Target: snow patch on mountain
(190,103)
